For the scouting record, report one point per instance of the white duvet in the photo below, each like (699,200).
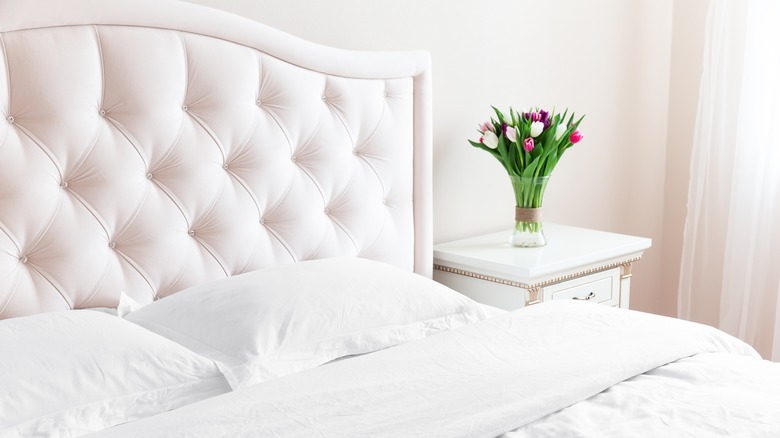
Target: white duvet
(502,375)
(707,395)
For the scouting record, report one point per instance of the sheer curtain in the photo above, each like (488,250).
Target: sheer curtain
(730,271)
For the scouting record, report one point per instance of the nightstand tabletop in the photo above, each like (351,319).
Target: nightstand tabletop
(568,248)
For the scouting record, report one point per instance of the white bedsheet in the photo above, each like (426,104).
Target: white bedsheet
(478,381)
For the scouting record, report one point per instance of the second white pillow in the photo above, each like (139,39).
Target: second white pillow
(282,320)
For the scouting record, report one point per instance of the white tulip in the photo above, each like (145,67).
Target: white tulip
(536,128)
(559,131)
(489,139)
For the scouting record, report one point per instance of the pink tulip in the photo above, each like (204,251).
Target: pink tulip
(487,126)
(511,133)
(528,144)
(575,137)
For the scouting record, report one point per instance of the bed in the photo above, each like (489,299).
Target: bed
(209,227)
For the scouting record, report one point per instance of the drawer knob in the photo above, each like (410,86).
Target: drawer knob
(589,296)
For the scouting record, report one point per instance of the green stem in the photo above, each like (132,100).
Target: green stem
(529,191)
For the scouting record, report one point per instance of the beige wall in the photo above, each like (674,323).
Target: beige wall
(614,60)
(687,54)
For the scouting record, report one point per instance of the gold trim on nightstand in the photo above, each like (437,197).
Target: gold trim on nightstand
(534,296)
(626,264)
(480,276)
(627,269)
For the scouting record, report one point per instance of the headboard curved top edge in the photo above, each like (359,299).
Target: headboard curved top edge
(127,163)
(203,20)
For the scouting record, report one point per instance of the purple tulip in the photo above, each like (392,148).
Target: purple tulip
(528,144)
(545,118)
(575,137)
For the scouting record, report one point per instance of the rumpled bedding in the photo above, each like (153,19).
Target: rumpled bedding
(706,395)
(520,369)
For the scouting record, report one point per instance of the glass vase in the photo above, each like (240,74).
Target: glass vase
(529,193)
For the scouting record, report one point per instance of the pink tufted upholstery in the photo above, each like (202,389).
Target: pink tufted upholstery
(147,146)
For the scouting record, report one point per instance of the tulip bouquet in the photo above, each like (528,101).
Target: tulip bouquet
(528,145)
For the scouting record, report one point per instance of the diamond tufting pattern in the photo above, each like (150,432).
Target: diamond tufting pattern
(147,160)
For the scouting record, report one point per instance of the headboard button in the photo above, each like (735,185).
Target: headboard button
(149,175)
(23,259)
(102,113)
(112,245)
(191,233)
(10,119)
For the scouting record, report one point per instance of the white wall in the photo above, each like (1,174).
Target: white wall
(609,59)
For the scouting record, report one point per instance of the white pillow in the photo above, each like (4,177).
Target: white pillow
(281,320)
(126,305)
(123,307)
(74,372)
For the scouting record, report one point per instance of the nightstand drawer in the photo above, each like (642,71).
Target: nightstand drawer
(600,288)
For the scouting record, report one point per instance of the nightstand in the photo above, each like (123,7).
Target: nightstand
(576,263)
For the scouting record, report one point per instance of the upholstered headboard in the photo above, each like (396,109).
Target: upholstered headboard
(149,145)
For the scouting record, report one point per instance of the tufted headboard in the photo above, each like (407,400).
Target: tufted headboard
(149,145)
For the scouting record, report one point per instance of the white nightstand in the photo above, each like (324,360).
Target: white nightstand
(576,263)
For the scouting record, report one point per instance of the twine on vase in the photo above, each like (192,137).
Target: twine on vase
(528,214)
